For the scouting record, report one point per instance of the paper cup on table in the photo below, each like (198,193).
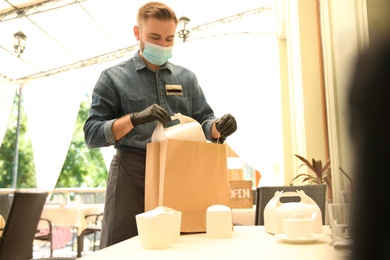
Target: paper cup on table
(156,228)
(219,222)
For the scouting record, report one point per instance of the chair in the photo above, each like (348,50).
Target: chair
(21,226)
(45,234)
(266,193)
(4,205)
(94,227)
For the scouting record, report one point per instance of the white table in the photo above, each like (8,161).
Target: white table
(248,242)
(63,215)
(72,216)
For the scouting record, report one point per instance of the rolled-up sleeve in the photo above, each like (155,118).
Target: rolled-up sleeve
(108,132)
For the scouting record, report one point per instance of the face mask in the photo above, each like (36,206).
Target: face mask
(156,54)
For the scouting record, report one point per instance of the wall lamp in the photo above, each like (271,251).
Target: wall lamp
(184,33)
(19,42)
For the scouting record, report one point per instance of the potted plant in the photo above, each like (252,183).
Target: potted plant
(322,173)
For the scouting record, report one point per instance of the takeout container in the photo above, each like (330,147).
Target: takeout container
(187,129)
(158,228)
(275,211)
(219,221)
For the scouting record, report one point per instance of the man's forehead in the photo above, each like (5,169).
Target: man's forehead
(158,29)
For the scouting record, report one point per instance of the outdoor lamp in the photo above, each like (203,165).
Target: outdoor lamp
(19,42)
(183,33)
(19,46)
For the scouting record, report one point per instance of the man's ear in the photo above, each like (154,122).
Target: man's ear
(136,32)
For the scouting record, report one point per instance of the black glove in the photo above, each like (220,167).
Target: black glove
(226,125)
(150,114)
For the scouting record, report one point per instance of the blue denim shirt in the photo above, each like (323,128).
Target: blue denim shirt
(131,87)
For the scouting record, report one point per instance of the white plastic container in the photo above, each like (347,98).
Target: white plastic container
(188,129)
(219,222)
(159,227)
(275,211)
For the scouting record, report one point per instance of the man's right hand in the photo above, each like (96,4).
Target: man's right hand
(150,114)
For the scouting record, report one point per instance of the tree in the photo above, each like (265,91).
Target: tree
(83,167)
(26,167)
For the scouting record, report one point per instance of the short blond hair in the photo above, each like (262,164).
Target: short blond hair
(156,10)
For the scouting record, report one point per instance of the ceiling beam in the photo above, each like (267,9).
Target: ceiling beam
(231,18)
(5,77)
(84,63)
(34,7)
(130,50)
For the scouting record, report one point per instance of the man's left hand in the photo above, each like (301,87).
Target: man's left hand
(226,125)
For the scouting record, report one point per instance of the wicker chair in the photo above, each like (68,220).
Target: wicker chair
(266,193)
(21,226)
(46,235)
(94,227)
(4,205)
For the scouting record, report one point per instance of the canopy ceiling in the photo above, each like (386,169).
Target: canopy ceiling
(63,35)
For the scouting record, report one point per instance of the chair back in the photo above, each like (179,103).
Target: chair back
(4,206)
(266,193)
(21,226)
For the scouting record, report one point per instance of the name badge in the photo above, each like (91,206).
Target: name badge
(174,90)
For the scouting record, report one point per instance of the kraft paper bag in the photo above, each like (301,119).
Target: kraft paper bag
(187,176)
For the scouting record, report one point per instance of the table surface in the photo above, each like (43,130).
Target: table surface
(249,242)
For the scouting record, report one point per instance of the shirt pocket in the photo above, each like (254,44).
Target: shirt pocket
(137,100)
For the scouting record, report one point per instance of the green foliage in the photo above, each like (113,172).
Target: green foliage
(322,173)
(83,167)
(26,167)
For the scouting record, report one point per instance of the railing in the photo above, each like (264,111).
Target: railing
(68,195)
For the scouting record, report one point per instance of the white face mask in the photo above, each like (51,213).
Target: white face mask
(156,54)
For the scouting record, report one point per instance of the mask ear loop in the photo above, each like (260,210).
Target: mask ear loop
(213,120)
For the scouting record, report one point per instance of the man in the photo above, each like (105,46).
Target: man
(127,101)
(369,107)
